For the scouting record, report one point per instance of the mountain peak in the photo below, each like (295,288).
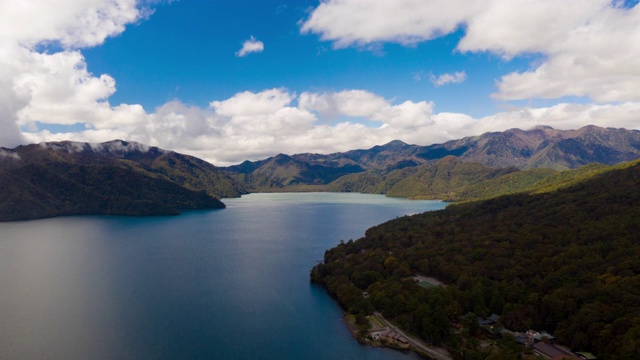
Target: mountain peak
(542,127)
(118,148)
(395,144)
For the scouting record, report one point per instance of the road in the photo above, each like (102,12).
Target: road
(417,344)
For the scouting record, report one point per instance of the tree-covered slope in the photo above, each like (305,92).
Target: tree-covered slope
(565,260)
(452,179)
(185,170)
(282,171)
(116,178)
(445,179)
(38,191)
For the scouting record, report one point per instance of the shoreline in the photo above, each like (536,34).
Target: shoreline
(383,326)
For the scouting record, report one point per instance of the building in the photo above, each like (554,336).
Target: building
(549,351)
(392,336)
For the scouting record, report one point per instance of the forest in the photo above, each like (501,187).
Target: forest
(565,260)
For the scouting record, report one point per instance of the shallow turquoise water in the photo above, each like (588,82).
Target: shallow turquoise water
(222,284)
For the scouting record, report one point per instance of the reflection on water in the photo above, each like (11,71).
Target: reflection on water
(229,283)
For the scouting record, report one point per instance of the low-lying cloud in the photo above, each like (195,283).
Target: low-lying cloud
(255,125)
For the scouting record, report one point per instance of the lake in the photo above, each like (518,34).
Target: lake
(220,284)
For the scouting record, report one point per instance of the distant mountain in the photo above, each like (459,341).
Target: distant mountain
(120,177)
(452,179)
(116,177)
(443,179)
(381,168)
(283,171)
(391,156)
(544,147)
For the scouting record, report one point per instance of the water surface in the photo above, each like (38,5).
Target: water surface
(221,284)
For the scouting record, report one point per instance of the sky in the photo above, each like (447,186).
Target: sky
(235,80)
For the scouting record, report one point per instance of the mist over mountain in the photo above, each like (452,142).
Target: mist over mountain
(115,178)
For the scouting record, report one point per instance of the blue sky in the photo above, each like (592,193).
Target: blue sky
(187,50)
(323,77)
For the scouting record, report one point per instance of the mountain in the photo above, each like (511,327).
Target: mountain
(444,179)
(564,259)
(116,177)
(475,167)
(293,172)
(391,156)
(283,171)
(545,147)
(541,147)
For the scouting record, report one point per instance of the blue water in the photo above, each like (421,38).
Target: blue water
(222,284)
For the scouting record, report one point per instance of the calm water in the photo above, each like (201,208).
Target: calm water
(223,284)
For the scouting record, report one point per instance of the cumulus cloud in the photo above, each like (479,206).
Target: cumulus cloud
(250,103)
(72,23)
(10,100)
(61,90)
(230,131)
(360,103)
(597,59)
(354,103)
(526,26)
(455,78)
(250,46)
(56,87)
(590,48)
(362,22)
(255,125)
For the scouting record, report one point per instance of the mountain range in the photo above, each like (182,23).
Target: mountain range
(128,178)
(399,169)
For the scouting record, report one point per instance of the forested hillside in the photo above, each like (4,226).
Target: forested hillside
(565,260)
(113,178)
(446,179)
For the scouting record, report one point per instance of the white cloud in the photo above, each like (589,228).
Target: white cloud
(250,103)
(565,116)
(598,59)
(360,103)
(56,87)
(72,23)
(10,100)
(250,46)
(255,125)
(590,47)
(354,103)
(362,22)
(455,78)
(225,136)
(526,26)
(252,125)
(61,90)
